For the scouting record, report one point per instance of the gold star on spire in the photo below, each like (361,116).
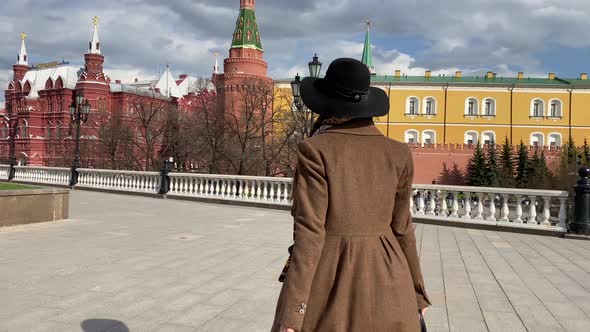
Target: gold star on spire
(23,36)
(95,20)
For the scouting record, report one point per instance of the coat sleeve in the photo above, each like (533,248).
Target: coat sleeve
(311,195)
(404,230)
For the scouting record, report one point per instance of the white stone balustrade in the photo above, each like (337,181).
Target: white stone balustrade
(4,170)
(47,175)
(522,208)
(145,182)
(270,190)
(497,206)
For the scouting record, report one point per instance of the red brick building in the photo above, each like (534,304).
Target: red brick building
(38,97)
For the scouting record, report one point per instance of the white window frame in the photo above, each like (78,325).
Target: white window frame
(534,114)
(433,110)
(490,133)
(475,106)
(559,105)
(430,132)
(416,137)
(493,105)
(416,101)
(559,139)
(537,134)
(465,140)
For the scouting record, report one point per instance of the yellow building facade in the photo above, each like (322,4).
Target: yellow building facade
(469,110)
(428,110)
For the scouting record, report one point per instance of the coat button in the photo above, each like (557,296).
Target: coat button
(301,311)
(303,306)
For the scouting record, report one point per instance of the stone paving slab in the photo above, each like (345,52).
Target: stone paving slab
(127,263)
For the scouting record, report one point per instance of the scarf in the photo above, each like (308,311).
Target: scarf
(328,123)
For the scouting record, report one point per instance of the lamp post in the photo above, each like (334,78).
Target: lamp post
(79,111)
(12,123)
(315,67)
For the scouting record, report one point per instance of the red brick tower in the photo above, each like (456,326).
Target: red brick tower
(245,57)
(21,66)
(93,83)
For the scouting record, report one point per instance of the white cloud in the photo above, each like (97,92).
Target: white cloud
(143,35)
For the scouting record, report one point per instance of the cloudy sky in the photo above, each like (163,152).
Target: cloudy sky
(138,37)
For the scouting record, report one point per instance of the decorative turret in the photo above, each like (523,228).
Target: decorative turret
(245,54)
(246,34)
(21,66)
(93,69)
(367,52)
(93,83)
(216,67)
(95,43)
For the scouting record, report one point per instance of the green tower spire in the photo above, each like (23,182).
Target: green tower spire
(367,53)
(246,34)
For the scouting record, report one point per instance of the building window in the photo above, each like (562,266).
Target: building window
(428,137)
(430,106)
(488,137)
(411,137)
(537,108)
(555,109)
(554,140)
(471,138)
(413,104)
(471,107)
(48,134)
(3,131)
(537,139)
(489,107)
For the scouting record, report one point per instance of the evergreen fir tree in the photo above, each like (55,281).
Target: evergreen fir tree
(532,178)
(545,172)
(521,165)
(506,165)
(572,151)
(492,172)
(476,174)
(445,175)
(457,176)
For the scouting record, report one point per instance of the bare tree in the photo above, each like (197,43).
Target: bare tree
(147,116)
(248,126)
(114,145)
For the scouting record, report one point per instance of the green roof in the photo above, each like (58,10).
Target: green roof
(469,80)
(246,34)
(367,53)
(558,82)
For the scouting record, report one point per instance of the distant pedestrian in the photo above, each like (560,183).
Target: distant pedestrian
(354,265)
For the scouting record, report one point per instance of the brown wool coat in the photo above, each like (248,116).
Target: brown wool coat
(355,266)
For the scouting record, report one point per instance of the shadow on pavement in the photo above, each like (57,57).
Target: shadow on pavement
(103,325)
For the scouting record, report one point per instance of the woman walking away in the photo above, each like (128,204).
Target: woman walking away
(354,265)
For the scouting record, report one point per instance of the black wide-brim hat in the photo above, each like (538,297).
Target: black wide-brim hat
(345,91)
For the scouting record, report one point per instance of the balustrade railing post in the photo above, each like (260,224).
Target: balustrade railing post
(492,198)
(581,222)
(505,211)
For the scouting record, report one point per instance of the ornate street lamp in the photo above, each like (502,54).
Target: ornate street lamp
(315,67)
(79,114)
(296,89)
(12,124)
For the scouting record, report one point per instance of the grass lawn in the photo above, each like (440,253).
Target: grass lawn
(13,186)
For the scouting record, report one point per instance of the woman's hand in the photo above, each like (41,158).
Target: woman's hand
(286,329)
(423,311)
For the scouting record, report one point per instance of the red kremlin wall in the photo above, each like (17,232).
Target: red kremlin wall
(429,161)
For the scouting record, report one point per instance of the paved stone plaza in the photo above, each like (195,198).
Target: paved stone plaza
(128,263)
